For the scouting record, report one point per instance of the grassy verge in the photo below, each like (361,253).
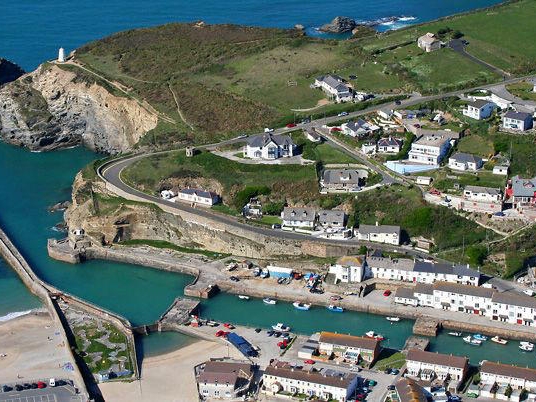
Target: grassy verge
(390,359)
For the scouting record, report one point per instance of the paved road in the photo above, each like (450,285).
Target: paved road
(458,45)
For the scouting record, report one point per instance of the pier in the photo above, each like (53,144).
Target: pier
(175,317)
(426,326)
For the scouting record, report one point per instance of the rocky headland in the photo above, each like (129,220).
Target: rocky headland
(339,25)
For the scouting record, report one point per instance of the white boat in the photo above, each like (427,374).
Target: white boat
(335,309)
(243,297)
(471,341)
(480,337)
(265,273)
(499,340)
(301,306)
(458,334)
(267,300)
(526,346)
(374,335)
(281,327)
(393,319)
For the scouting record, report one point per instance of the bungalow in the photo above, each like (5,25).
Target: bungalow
(197,196)
(332,219)
(348,347)
(223,378)
(326,384)
(342,180)
(335,87)
(505,374)
(518,121)
(389,145)
(501,170)
(429,366)
(429,149)
(429,42)
(348,269)
(479,109)
(462,161)
(424,180)
(385,114)
(269,146)
(379,233)
(358,128)
(521,192)
(299,217)
(482,194)
(312,135)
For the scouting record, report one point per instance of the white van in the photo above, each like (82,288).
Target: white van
(529,292)
(52,382)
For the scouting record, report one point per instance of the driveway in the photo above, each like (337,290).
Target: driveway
(458,45)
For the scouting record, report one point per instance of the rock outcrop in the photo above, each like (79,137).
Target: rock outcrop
(9,71)
(54,107)
(339,25)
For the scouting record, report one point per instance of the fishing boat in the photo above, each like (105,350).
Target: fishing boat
(267,300)
(281,327)
(257,271)
(526,346)
(453,333)
(335,309)
(480,337)
(301,306)
(472,341)
(374,335)
(393,319)
(243,297)
(499,340)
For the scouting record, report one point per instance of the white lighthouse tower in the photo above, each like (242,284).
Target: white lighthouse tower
(61,55)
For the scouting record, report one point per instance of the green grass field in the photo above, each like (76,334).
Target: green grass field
(477,145)
(524,90)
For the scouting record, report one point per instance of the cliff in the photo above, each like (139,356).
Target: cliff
(9,71)
(55,107)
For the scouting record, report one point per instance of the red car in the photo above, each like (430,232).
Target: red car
(290,125)
(309,361)
(41,385)
(435,192)
(387,293)
(227,325)
(335,129)
(221,334)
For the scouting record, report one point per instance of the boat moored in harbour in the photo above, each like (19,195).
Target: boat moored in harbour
(454,333)
(472,341)
(268,300)
(526,346)
(393,319)
(499,340)
(480,337)
(243,297)
(281,327)
(335,309)
(374,335)
(301,306)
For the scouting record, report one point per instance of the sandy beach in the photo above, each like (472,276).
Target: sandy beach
(31,348)
(168,377)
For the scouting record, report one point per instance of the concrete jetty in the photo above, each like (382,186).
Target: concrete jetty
(178,313)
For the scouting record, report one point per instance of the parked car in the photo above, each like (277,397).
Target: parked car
(309,361)
(529,292)
(33,385)
(338,129)
(387,370)
(268,130)
(41,385)
(26,385)
(341,114)
(276,226)
(6,388)
(257,330)
(398,102)
(387,293)
(394,371)
(290,125)
(234,279)
(391,387)
(315,290)
(18,387)
(360,397)
(335,298)
(454,398)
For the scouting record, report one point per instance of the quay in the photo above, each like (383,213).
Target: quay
(174,318)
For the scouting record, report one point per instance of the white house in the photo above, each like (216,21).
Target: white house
(299,217)
(428,366)
(379,233)
(328,385)
(223,379)
(521,192)
(350,348)
(429,42)
(197,196)
(518,121)
(342,180)
(358,128)
(501,170)
(269,146)
(505,374)
(312,135)
(513,308)
(406,296)
(348,269)
(385,114)
(332,219)
(335,87)
(429,149)
(368,148)
(479,109)
(462,161)
(389,145)
(482,194)
(424,180)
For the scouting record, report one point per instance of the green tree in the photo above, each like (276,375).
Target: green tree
(477,254)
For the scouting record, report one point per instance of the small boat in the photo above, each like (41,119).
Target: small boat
(301,306)
(458,334)
(472,341)
(526,346)
(257,271)
(212,323)
(280,280)
(335,309)
(243,297)
(499,340)
(267,300)
(480,337)
(393,319)
(281,327)
(374,335)
(265,273)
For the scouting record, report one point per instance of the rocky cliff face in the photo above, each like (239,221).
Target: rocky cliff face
(9,71)
(339,25)
(54,107)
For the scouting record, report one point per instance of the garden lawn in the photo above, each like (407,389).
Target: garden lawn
(476,145)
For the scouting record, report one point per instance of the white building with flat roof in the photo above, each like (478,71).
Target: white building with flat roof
(429,149)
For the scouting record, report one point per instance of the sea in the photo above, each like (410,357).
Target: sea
(31,31)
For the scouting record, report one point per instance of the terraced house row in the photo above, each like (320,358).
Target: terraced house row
(508,306)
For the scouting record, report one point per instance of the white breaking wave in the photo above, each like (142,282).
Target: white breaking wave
(14,315)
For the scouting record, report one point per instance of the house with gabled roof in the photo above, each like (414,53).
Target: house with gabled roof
(379,233)
(429,42)
(223,378)
(198,196)
(479,109)
(517,121)
(463,161)
(429,366)
(389,145)
(335,87)
(269,146)
(521,193)
(506,374)
(299,217)
(349,347)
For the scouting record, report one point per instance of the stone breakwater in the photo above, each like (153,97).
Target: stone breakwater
(208,275)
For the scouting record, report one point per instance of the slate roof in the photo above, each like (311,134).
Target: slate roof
(224,372)
(424,288)
(479,103)
(389,142)
(428,38)
(335,82)
(349,340)
(437,358)
(402,264)
(358,125)
(463,289)
(369,229)
(334,380)
(517,115)
(462,270)
(329,216)
(507,370)
(514,299)
(299,214)
(333,176)
(486,190)
(405,293)
(262,140)
(523,187)
(199,192)
(461,157)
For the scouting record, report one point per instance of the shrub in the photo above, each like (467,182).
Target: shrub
(243,196)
